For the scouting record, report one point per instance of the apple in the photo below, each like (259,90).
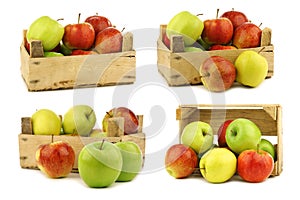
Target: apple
(166,40)
(217,73)
(180,161)
(76,52)
(217,31)
(131,122)
(198,135)
(99,164)
(79,119)
(98,133)
(236,17)
(109,40)
(47,30)
(52,54)
(55,159)
(186,24)
(252,68)
(202,44)
(242,134)
(218,165)
(222,132)
(267,146)
(192,49)
(247,35)
(132,160)
(221,47)
(65,50)
(99,23)
(45,122)
(254,165)
(79,35)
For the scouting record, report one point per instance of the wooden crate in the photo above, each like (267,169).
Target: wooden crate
(266,117)
(182,68)
(52,73)
(28,142)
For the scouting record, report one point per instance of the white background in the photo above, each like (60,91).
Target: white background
(17,102)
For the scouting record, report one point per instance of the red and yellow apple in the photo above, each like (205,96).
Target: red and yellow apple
(109,40)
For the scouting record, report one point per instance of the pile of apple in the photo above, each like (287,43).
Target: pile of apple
(231,31)
(100,163)
(241,150)
(95,35)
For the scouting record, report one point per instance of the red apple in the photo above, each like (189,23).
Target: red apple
(255,165)
(220,47)
(222,132)
(166,40)
(236,17)
(55,159)
(109,41)
(131,122)
(217,73)
(180,161)
(217,31)
(79,36)
(99,23)
(82,52)
(247,35)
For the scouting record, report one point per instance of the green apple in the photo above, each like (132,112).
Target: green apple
(97,133)
(49,31)
(192,49)
(198,135)
(79,119)
(218,165)
(132,160)
(100,164)
(187,25)
(242,134)
(52,54)
(252,68)
(46,122)
(267,146)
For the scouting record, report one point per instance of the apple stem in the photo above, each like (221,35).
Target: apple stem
(101,146)
(109,114)
(78,20)
(217,13)
(122,29)
(199,14)
(260,24)
(60,19)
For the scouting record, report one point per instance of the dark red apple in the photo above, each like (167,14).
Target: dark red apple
(79,36)
(217,73)
(166,40)
(221,47)
(109,41)
(99,23)
(247,35)
(82,52)
(236,17)
(222,132)
(180,161)
(255,165)
(131,122)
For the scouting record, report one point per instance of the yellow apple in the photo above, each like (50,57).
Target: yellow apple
(46,122)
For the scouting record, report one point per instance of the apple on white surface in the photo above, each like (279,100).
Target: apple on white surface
(79,119)
(100,164)
(242,134)
(132,160)
(198,135)
(180,161)
(46,122)
(218,165)
(55,159)
(252,68)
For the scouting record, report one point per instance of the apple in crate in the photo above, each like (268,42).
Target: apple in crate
(221,47)
(132,160)
(180,161)
(56,159)
(217,73)
(247,35)
(186,24)
(98,22)
(79,119)
(236,17)
(252,68)
(47,30)
(217,31)
(46,122)
(198,135)
(99,164)
(98,133)
(267,146)
(222,133)
(242,134)
(79,35)
(218,165)
(131,122)
(255,165)
(109,40)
